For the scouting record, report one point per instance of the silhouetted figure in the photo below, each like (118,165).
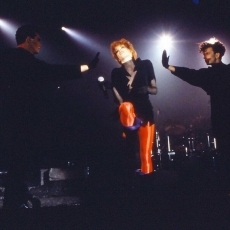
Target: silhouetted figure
(22,80)
(215,80)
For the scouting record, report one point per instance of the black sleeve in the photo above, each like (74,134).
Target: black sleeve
(18,62)
(192,76)
(151,74)
(55,71)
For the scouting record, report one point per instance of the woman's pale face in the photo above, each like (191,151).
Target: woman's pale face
(123,53)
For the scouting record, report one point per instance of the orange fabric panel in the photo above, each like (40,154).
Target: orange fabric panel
(127,115)
(146,139)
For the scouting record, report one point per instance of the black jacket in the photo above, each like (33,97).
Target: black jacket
(22,81)
(143,77)
(215,81)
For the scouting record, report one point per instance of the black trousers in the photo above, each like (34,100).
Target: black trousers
(21,158)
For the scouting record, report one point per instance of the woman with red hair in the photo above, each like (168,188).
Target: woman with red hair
(132,83)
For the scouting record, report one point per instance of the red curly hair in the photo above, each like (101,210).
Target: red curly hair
(124,42)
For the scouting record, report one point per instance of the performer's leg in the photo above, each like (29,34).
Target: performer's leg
(130,156)
(19,149)
(131,124)
(146,138)
(127,115)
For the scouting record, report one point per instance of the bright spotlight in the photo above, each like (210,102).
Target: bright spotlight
(8,29)
(73,33)
(85,39)
(166,41)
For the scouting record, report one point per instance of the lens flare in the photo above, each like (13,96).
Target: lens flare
(166,41)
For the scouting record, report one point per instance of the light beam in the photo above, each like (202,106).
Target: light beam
(8,29)
(86,40)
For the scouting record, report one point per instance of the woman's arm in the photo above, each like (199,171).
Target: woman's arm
(118,96)
(152,89)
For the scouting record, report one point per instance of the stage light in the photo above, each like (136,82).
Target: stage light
(8,29)
(73,33)
(166,41)
(86,39)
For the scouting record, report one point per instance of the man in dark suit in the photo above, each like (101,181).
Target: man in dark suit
(22,79)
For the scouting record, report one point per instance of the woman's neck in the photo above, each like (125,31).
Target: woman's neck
(126,59)
(129,66)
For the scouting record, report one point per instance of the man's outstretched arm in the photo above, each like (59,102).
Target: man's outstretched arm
(92,64)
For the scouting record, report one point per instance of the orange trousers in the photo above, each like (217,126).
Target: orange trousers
(146,134)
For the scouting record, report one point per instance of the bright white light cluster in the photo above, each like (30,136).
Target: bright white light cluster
(166,41)
(212,40)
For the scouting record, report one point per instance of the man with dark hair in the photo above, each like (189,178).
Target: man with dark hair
(22,82)
(24,31)
(215,80)
(217,47)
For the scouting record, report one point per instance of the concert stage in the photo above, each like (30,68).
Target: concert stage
(183,199)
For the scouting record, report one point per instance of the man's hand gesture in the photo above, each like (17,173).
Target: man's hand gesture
(165,59)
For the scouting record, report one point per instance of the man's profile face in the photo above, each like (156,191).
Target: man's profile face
(35,44)
(210,57)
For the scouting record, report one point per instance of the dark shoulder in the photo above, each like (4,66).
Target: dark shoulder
(115,75)
(226,68)
(220,66)
(15,53)
(6,55)
(138,61)
(8,51)
(116,71)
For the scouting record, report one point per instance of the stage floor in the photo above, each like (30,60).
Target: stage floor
(171,201)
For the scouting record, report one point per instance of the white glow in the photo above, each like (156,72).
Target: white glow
(215,143)
(101,79)
(165,41)
(89,40)
(208,141)
(8,29)
(212,40)
(168,144)
(74,34)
